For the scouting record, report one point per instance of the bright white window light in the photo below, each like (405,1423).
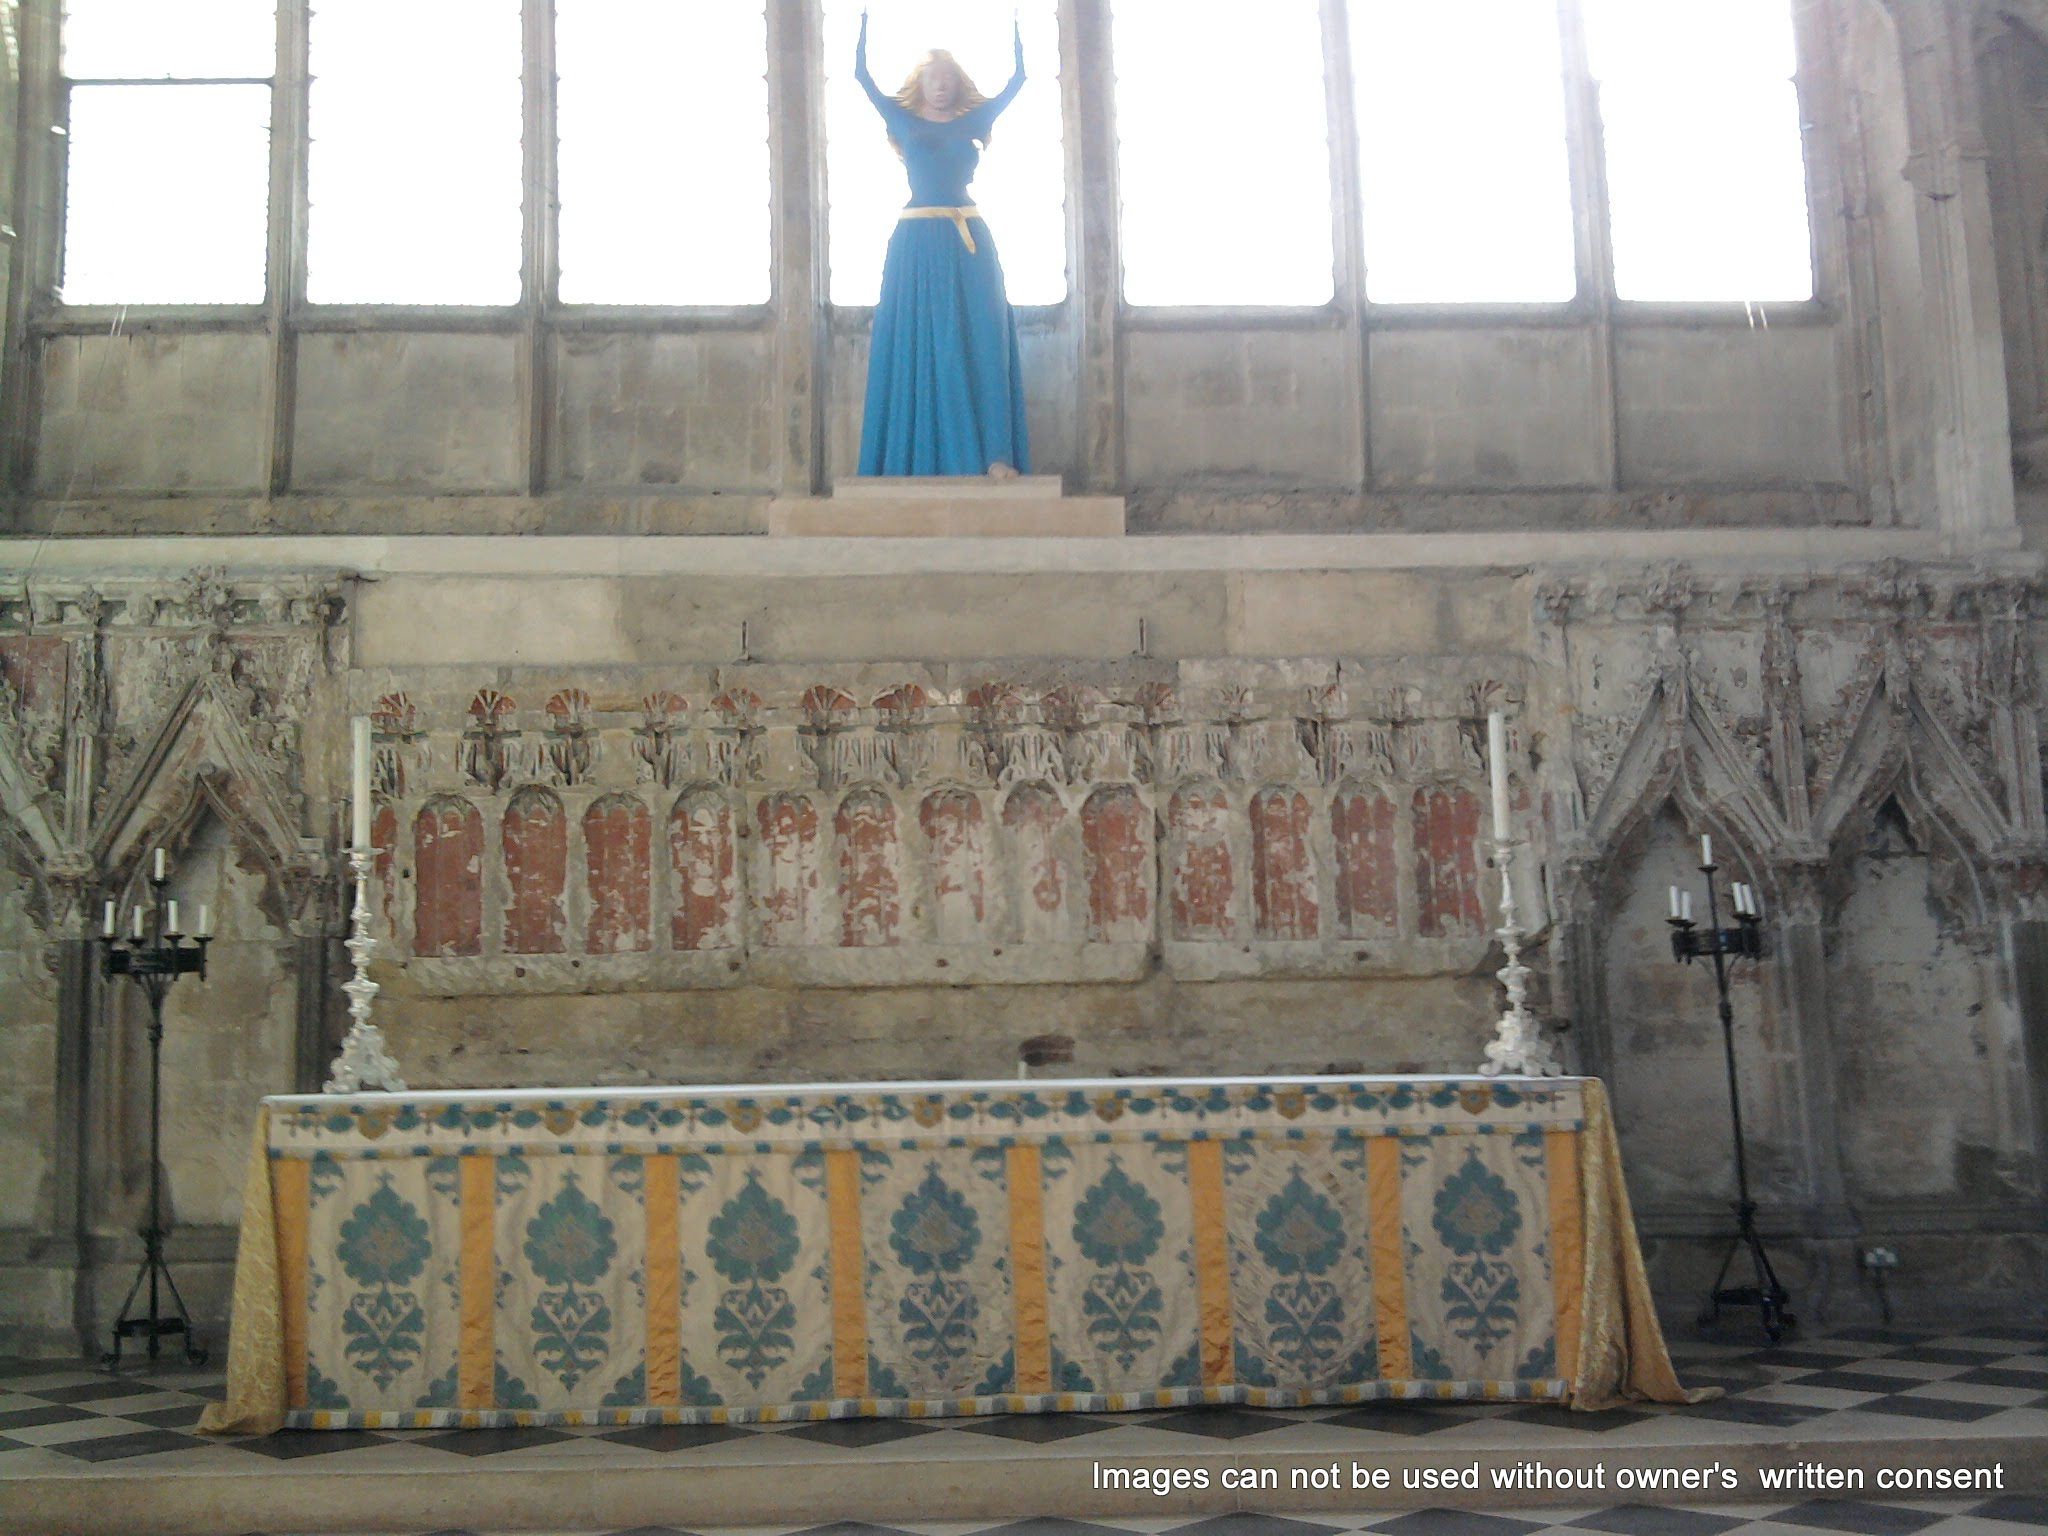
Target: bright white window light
(149,40)
(1020,185)
(1706,174)
(167,186)
(167,192)
(1223,152)
(1462,164)
(662,120)
(415,169)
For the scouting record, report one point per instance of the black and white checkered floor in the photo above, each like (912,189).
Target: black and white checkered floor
(59,1420)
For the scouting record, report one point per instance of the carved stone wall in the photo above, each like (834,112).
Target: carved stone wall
(860,826)
(802,870)
(137,713)
(1864,748)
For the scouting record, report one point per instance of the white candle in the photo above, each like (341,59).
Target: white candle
(1685,906)
(1741,899)
(360,780)
(205,930)
(1756,908)
(159,866)
(1706,849)
(1497,765)
(138,922)
(107,924)
(1674,901)
(171,918)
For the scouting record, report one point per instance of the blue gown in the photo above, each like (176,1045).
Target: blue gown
(945,389)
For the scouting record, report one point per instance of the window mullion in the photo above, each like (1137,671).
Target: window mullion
(33,251)
(1593,238)
(285,263)
(1594,242)
(1349,230)
(540,273)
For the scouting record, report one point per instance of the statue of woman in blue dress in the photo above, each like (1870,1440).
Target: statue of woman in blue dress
(945,385)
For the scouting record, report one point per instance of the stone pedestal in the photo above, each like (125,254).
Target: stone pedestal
(948,506)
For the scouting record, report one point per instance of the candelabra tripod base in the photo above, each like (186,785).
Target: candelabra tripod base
(1770,1298)
(155,1325)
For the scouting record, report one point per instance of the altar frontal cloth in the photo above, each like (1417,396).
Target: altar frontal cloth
(610,1256)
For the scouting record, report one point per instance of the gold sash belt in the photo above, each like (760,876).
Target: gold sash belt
(959,216)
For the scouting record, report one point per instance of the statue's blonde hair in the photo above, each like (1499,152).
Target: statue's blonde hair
(911,96)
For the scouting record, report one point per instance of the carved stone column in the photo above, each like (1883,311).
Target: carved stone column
(72,1170)
(1580,976)
(2023,937)
(1088,78)
(1799,940)
(801,342)
(1970,430)
(315,956)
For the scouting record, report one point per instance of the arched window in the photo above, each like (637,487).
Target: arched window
(168,132)
(1223,153)
(1706,174)
(1020,184)
(415,167)
(662,128)
(1463,176)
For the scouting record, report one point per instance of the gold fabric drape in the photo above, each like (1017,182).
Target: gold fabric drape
(1622,1357)
(255,1390)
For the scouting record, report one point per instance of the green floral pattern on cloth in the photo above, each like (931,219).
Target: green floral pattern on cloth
(378,1276)
(1117,1226)
(935,1232)
(570,1245)
(761,1325)
(1121,1288)
(1302,1289)
(1480,1297)
(570,1239)
(753,1243)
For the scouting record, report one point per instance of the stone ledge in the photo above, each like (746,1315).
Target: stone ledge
(559,556)
(948,509)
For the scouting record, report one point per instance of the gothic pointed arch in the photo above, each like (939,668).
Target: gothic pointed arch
(214,751)
(1900,748)
(1680,753)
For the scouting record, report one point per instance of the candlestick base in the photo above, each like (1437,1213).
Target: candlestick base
(364,1065)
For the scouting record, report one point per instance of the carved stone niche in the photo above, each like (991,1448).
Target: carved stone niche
(1914,963)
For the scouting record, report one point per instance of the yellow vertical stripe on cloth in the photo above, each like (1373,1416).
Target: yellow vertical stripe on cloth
(1567,1244)
(476,1356)
(293,1181)
(663,1194)
(254,1404)
(1027,1270)
(1389,1257)
(849,1287)
(1212,1262)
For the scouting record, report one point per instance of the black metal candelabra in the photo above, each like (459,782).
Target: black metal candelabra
(1743,941)
(154,954)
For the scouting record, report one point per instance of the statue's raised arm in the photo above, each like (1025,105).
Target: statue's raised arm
(891,109)
(982,118)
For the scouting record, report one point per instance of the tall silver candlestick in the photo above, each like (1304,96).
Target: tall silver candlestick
(1518,1048)
(364,1064)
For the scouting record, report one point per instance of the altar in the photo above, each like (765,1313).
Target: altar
(690,1255)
